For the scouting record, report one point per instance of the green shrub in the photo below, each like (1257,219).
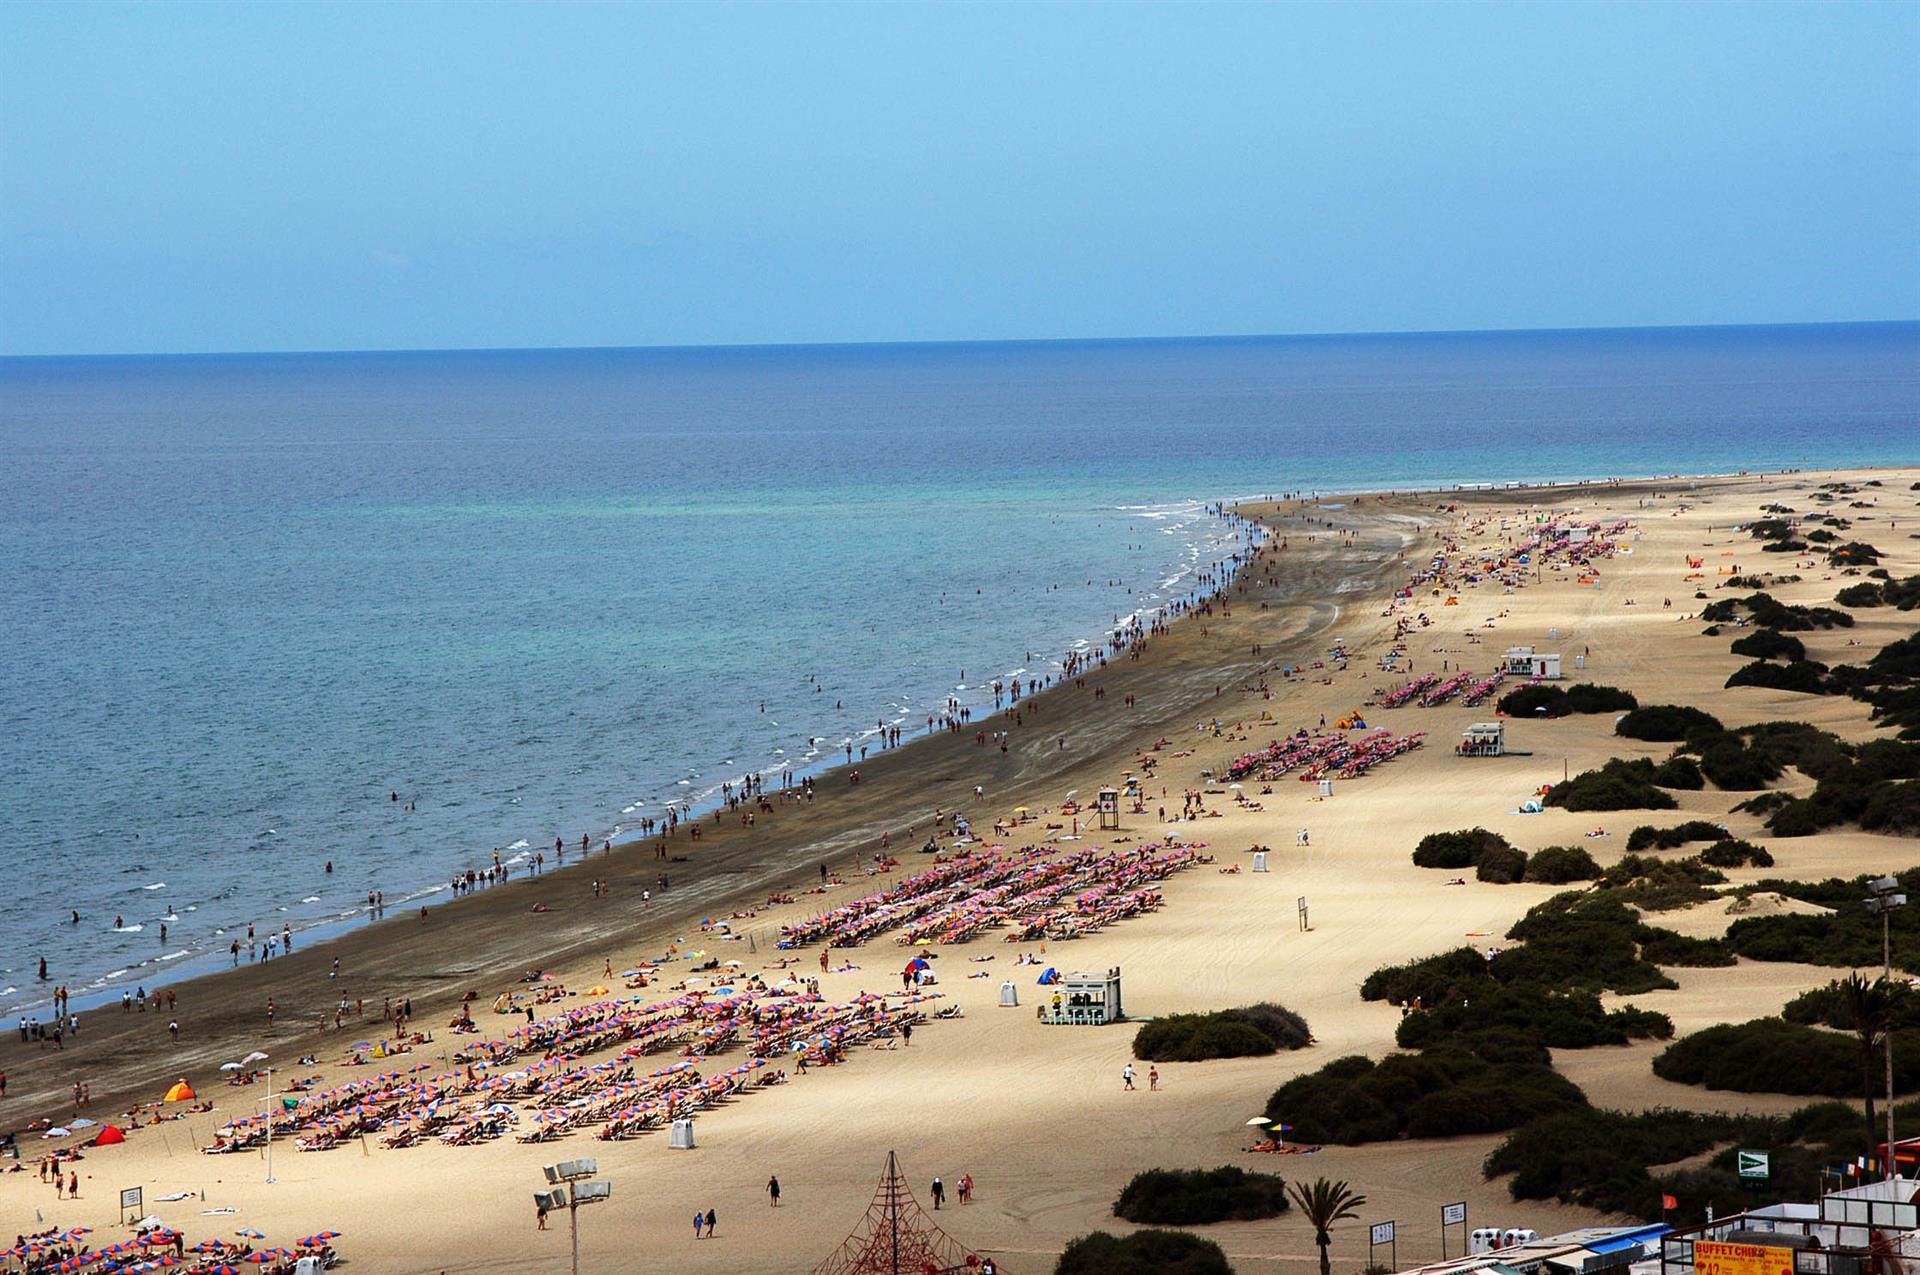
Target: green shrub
(1648,837)
(1771,1055)
(1618,785)
(1281,1025)
(1770,644)
(1435,1094)
(1855,553)
(1660,885)
(1502,866)
(1142,1253)
(1197,1197)
(1199,1037)
(1557,865)
(1456,850)
(1807,677)
(1557,1020)
(1579,941)
(1681,773)
(1735,853)
(1430,980)
(1665,723)
(1590,697)
(1598,1159)
(1731,764)
(1830,1006)
(1535,701)
(1664,947)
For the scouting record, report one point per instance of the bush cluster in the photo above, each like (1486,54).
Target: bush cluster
(1660,885)
(1438,1093)
(1803,677)
(1771,1055)
(1456,850)
(1847,937)
(1142,1253)
(1902,594)
(1552,701)
(1618,785)
(1665,723)
(1770,644)
(1830,1006)
(1869,785)
(1196,1197)
(1769,612)
(1252,1032)
(1648,837)
(1558,865)
(1735,853)
(1555,1020)
(1579,941)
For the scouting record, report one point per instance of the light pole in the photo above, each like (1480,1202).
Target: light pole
(570,1176)
(1887,897)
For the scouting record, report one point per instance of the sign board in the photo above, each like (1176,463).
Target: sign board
(1453,1214)
(1382,1233)
(1753,1164)
(129,1198)
(1713,1258)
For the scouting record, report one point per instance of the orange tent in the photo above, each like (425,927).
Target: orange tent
(181,1092)
(109,1135)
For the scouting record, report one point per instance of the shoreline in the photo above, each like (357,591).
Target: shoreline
(173,968)
(379,955)
(361,922)
(1038,1112)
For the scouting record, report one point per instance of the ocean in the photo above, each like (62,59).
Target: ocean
(250,598)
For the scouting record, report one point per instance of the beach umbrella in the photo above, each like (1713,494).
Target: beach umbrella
(250,1233)
(232,1066)
(255,1056)
(363,1044)
(58,1131)
(82,1123)
(1259,1120)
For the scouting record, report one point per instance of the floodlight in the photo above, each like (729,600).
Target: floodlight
(591,1192)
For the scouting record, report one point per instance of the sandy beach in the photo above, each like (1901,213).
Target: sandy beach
(1036,1114)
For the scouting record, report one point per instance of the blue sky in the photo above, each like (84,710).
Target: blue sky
(192,177)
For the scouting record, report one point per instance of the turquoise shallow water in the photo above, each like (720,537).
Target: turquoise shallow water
(540,593)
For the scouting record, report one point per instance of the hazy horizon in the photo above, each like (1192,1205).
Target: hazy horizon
(211,177)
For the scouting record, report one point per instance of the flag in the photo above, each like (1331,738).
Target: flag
(1668,1202)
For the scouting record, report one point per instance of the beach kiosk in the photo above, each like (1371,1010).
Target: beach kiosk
(1524,661)
(1483,739)
(1084,1000)
(1107,803)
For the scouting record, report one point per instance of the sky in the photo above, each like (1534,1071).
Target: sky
(191,177)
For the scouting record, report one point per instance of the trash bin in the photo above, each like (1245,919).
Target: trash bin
(1260,861)
(680,1137)
(1009,994)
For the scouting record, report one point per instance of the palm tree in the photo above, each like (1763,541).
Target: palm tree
(1323,1204)
(1867,1008)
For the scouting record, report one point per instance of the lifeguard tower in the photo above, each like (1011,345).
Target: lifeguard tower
(1084,1000)
(1107,803)
(1483,739)
(1524,661)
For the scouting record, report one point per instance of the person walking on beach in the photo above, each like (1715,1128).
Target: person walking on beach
(1153,1079)
(773,1192)
(1126,1075)
(699,1220)
(939,1193)
(540,1217)
(710,1221)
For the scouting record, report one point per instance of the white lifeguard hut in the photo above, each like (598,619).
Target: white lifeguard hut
(1483,739)
(1084,1000)
(1107,803)
(1524,661)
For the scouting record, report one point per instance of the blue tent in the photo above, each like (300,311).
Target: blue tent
(1051,976)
